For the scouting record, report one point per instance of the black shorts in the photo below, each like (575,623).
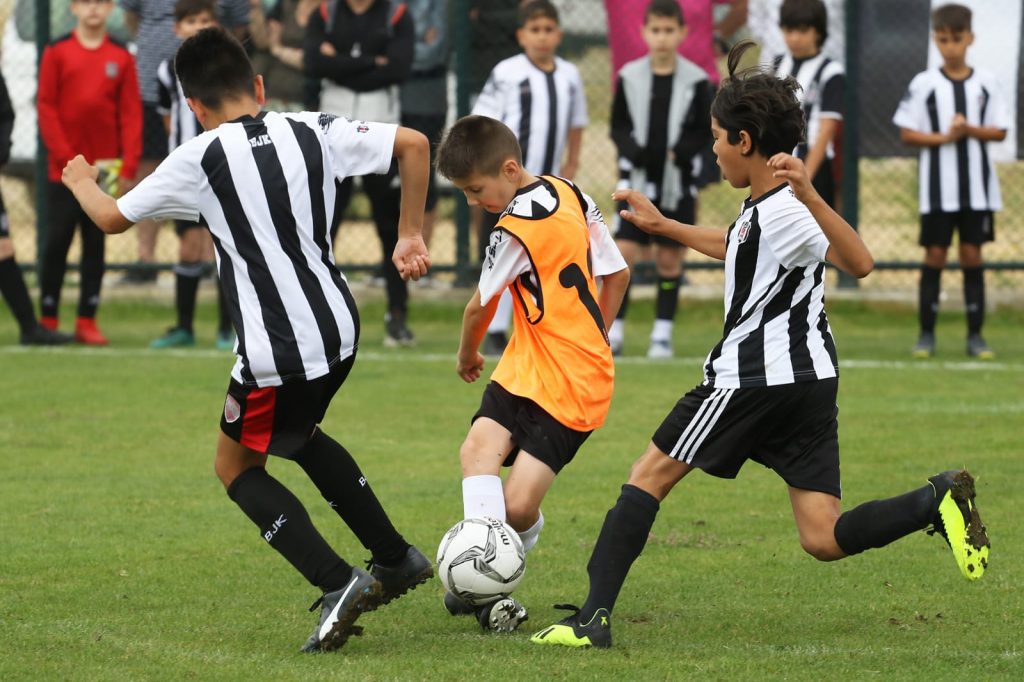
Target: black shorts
(791,429)
(974,227)
(532,429)
(154,134)
(278,420)
(687,213)
(5,223)
(183,226)
(431,125)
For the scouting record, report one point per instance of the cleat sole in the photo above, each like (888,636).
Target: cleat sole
(968,540)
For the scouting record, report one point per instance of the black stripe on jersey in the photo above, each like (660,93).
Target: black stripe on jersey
(525,104)
(963,170)
(313,156)
(746,266)
(985,96)
(799,354)
(226,275)
(283,345)
(275,188)
(934,175)
(750,353)
(549,145)
(826,337)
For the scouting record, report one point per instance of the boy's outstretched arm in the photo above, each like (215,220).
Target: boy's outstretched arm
(470,363)
(80,178)
(846,250)
(708,240)
(613,290)
(413,153)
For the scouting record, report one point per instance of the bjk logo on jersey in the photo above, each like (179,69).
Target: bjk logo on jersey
(362,127)
(743,233)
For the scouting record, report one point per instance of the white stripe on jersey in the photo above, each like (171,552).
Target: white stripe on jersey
(957,175)
(776,331)
(172,102)
(538,106)
(812,74)
(265,186)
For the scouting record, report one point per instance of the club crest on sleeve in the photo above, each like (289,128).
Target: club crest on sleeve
(232,410)
(743,232)
(325,121)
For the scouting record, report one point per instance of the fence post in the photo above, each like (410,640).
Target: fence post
(463,57)
(40,172)
(851,129)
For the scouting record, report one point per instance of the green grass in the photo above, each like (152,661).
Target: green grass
(123,558)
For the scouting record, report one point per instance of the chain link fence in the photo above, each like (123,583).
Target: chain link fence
(883,43)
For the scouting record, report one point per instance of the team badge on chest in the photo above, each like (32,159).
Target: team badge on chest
(743,232)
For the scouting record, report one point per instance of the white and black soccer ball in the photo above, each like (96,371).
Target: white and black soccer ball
(481,560)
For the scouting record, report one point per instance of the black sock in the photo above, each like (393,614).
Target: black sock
(928,298)
(285,525)
(622,538)
(974,298)
(337,476)
(667,299)
(224,314)
(186,288)
(624,307)
(879,522)
(12,286)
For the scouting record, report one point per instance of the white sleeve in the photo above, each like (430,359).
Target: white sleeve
(166,192)
(604,254)
(911,113)
(578,103)
(358,147)
(997,114)
(506,259)
(793,235)
(489,102)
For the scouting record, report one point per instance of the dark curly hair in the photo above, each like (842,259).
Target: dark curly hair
(760,103)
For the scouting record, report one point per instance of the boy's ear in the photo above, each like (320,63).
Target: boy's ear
(510,169)
(259,92)
(746,143)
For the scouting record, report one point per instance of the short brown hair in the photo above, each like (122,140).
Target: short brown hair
(537,8)
(476,145)
(183,9)
(666,9)
(954,18)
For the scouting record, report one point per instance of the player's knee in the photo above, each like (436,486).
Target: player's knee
(520,515)
(821,547)
(471,455)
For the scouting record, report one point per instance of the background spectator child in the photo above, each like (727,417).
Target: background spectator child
(88,103)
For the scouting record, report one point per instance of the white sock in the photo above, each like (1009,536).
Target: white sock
(532,534)
(617,333)
(662,330)
(503,315)
(483,496)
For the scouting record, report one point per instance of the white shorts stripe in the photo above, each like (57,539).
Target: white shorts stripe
(709,410)
(692,449)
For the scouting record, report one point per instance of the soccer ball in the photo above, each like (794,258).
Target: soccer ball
(481,560)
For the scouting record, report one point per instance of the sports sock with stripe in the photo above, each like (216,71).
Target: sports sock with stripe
(622,538)
(338,478)
(285,525)
(666,302)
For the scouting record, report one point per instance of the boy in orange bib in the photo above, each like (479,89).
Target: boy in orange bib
(553,384)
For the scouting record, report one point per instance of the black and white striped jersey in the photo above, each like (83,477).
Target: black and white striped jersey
(171,102)
(957,175)
(540,107)
(776,331)
(265,186)
(822,84)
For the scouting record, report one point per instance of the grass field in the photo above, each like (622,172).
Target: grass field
(123,559)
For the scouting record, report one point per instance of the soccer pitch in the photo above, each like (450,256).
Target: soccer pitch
(123,558)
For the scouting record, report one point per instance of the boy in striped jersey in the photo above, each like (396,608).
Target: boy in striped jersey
(265,184)
(769,389)
(952,113)
(190,17)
